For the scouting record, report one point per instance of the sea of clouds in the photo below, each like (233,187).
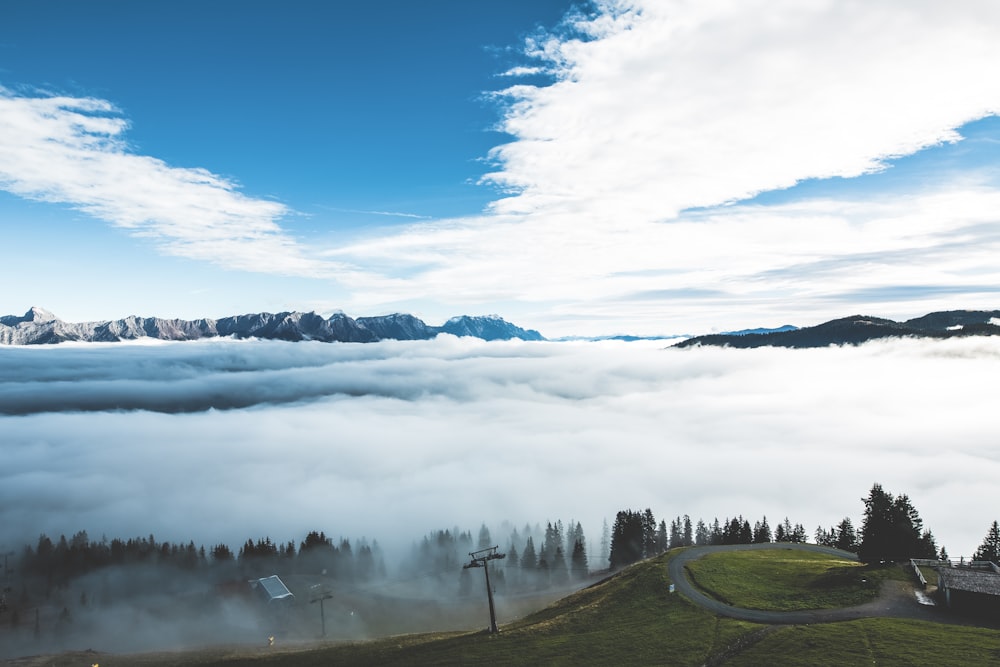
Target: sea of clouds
(223,440)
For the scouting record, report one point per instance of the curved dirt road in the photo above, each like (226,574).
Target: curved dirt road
(897,599)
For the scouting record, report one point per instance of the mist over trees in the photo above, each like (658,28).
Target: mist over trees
(73,580)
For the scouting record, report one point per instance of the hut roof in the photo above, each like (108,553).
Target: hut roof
(972,581)
(272,588)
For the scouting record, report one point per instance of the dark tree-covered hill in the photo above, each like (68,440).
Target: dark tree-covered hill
(858,329)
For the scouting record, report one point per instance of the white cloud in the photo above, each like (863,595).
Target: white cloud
(897,255)
(657,108)
(391,440)
(664,106)
(73,151)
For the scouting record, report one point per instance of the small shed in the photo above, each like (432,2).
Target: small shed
(272,590)
(970,589)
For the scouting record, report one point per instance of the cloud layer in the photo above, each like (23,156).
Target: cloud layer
(391,440)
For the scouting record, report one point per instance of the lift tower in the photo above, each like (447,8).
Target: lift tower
(481,559)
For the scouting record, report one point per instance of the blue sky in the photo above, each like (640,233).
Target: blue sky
(611,167)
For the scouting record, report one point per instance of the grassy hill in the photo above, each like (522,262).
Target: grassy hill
(631,619)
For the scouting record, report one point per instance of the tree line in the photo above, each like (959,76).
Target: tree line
(891,531)
(636,534)
(64,559)
(535,558)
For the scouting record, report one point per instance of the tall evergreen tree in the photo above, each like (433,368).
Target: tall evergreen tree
(779,533)
(512,564)
(648,534)
(605,542)
(990,548)
(579,569)
(484,538)
(892,529)
(701,536)
(715,535)
(787,531)
(676,537)
(627,543)
(662,537)
(529,559)
(761,532)
(558,571)
(847,537)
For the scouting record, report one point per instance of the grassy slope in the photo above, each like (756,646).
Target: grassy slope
(887,642)
(629,619)
(787,580)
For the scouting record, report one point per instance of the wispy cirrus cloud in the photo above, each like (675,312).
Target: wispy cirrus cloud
(387,214)
(72,150)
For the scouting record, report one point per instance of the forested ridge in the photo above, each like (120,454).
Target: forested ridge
(78,576)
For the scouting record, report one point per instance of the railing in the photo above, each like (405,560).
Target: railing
(916,563)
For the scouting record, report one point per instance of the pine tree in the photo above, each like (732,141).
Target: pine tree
(220,552)
(529,560)
(892,529)
(484,538)
(761,532)
(648,534)
(787,531)
(513,565)
(574,535)
(715,535)
(990,548)
(731,531)
(627,539)
(365,565)
(847,537)
(578,562)
(558,571)
(605,542)
(701,536)
(676,537)
(662,537)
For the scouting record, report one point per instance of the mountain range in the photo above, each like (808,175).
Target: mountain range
(38,326)
(858,329)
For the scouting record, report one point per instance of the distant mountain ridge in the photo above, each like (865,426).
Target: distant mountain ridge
(39,327)
(858,329)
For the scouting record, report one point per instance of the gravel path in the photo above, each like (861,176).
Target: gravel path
(897,599)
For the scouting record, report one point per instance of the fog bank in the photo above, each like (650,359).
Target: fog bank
(223,440)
